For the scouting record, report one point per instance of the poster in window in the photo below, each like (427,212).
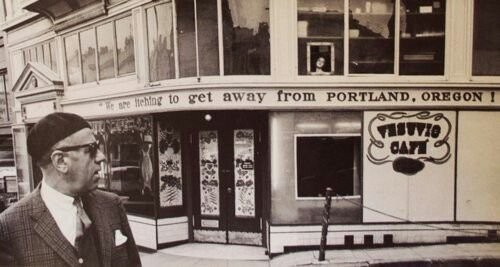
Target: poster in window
(244,173)
(320,58)
(209,173)
(169,158)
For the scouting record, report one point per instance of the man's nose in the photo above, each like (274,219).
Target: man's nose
(99,157)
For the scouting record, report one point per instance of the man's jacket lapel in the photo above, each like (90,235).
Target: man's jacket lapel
(46,227)
(102,227)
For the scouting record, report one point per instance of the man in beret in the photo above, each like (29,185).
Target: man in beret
(65,221)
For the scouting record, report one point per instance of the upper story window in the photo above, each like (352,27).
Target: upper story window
(246,37)
(101,52)
(369,43)
(486,46)
(194,49)
(45,53)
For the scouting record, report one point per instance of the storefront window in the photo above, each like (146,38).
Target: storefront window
(313,151)
(125,46)
(106,51)
(186,38)
(246,37)
(160,42)
(87,46)
(208,37)
(320,31)
(8,185)
(127,145)
(319,165)
(73,59)
(486,53)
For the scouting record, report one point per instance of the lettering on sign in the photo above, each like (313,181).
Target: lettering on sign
(408,141)
(278,98)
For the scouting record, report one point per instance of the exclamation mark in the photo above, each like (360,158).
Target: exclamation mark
(492,97)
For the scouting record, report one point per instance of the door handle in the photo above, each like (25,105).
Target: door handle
(229,190)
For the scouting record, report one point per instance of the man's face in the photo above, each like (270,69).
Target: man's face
(83,164)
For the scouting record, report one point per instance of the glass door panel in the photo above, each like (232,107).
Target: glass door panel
(209,173)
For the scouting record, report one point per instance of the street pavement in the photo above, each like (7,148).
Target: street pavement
(197,254)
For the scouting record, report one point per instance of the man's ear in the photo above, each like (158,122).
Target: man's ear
(59,161)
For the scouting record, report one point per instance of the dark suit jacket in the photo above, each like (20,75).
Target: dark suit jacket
(29,234)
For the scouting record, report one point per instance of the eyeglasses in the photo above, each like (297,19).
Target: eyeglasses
(93,147)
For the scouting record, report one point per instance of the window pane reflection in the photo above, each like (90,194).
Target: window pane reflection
(486,54)
(87,44)
(53,58)
(208,37)
(186,37)
(73,59)
(127,144)
(319,25)
(46,54)
(246,37)
(125,46)
(160,41)
(106,51)
(371,36)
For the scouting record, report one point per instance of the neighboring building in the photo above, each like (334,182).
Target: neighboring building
(8,181)
(225,120)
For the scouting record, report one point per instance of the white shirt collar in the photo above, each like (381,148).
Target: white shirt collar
(55,197)
(62,210)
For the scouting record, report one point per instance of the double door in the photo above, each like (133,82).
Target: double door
(227,178)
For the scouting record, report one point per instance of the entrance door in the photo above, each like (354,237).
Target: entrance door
(227,179)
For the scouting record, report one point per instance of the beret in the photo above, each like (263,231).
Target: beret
(52,129)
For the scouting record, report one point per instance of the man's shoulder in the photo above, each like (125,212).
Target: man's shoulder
(104,197)
(20,209)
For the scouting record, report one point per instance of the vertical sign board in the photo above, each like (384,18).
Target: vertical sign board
(409,165)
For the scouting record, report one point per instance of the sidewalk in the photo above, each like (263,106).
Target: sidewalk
(196,254)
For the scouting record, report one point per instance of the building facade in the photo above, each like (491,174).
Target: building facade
(226,120)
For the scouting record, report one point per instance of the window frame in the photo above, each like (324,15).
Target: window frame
(354,77)
(51,56)
(360,174)
(470,55)
(115,52)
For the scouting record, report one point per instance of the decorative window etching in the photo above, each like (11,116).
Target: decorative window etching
(209,173)
(170,168)
(244,173)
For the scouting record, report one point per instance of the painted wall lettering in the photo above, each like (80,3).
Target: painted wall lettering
(408,140)
(269,98)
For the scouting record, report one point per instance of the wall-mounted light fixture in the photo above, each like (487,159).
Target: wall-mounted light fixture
(208,117)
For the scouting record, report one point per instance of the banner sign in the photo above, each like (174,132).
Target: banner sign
(273,98)
(408,140)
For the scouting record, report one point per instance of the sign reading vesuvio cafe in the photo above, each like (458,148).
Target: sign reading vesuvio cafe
(409,140)
(278,98)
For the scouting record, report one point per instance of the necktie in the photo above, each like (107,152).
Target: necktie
(83,221)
